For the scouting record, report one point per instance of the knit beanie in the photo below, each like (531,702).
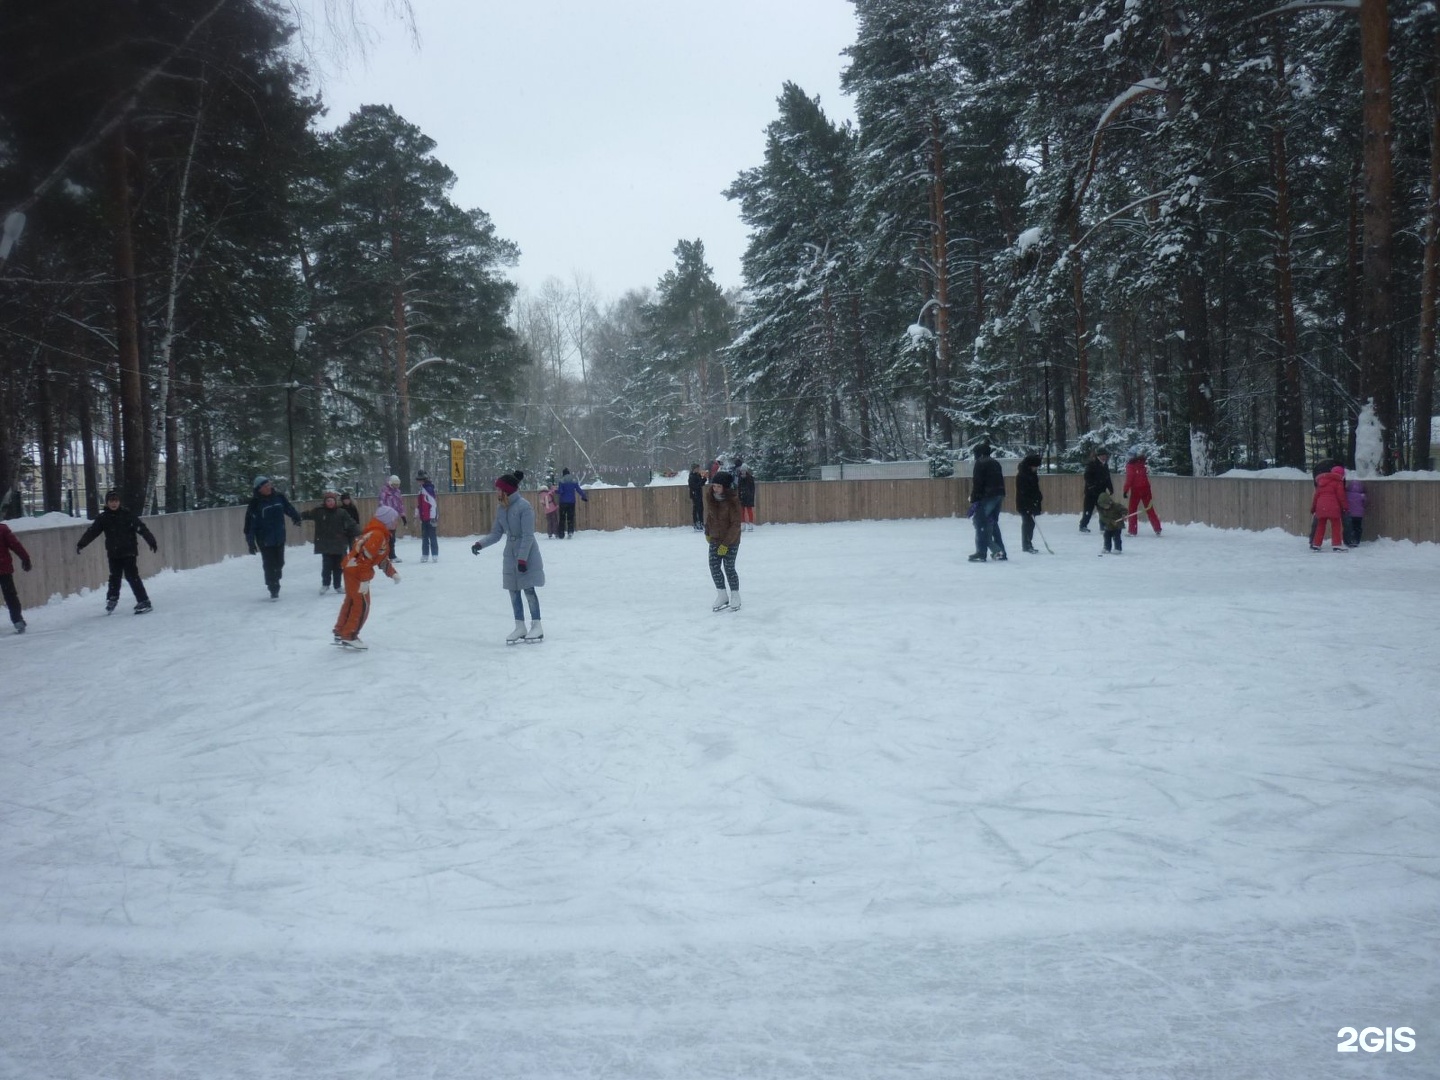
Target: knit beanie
(723,478)
(510,482)
(387,516)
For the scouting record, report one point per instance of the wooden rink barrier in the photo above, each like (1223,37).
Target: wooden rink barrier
(1396,509)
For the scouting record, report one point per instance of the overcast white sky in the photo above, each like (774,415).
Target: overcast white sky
(598,135)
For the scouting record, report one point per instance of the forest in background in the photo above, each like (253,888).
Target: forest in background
(1206,229)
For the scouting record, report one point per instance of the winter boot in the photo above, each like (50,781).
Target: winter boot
(721,601)
(536,634)
(735,600)
(518,634)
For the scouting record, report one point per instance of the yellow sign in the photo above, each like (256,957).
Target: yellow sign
(457,462)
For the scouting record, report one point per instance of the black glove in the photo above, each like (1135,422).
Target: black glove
(25,565)
(153,546)
(522,566)
(403,521)
(78,549)
(475,548)
(254,550)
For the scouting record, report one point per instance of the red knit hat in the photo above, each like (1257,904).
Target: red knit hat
(510,482)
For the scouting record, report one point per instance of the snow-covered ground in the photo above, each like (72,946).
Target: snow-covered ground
(1173,814)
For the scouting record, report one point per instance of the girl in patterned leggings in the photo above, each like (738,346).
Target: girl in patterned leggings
(722,533)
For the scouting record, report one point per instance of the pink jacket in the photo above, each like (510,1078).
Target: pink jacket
(390,496)
(548,504)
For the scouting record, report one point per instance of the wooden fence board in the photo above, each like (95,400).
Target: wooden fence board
(1398,509)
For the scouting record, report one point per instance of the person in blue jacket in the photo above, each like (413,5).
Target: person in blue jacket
(265,530)
(565,492)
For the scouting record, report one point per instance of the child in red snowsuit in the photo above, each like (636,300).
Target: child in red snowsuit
(370,550)
(1328,506)
(1137,487)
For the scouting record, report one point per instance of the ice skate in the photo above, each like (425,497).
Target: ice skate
(734,599)
(143,608)
(517,635)
(424,558)
(536,634)
(324,589)
(999,556)
(19,626)
(110,604)
(977,557)
(353,643)
(722,601)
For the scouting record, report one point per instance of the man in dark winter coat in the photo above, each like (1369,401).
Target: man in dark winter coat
(1028,499)
(8,543)
(335,530)
(265,530)
(987,492)
(1097,479)
(120,527)
(697,497)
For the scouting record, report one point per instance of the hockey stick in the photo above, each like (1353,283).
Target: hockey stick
(1040,533)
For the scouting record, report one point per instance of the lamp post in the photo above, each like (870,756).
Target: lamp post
(301,333)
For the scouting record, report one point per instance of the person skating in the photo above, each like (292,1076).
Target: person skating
(335,531)
(121,527)
(391,496)
(745,485)
(427,508)
(1137,489)
(1328,505)
(348,505)
(722,533)
(696,482)
(1097,479)
(1355,504)
(1112,521)
(551,509)
(371,550)
(987,492)
(565,492)
(8,544)
(521,565)
(265,530)
(1028,499)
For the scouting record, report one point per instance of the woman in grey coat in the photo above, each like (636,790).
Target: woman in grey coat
(521,567)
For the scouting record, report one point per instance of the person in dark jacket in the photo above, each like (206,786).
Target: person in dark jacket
(265,530)
(1097,479)
(565,492)
(335,531)
(120,527)
(987,492)
(697,497)
(347,503)
(1028,499)
(746,487)
(8,543)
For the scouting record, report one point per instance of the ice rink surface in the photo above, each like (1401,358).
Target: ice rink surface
(1169,815)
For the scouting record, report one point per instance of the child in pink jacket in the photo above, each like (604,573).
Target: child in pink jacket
(1328,506)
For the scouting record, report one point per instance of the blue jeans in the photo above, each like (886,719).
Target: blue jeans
(987,525)
(429,543)
(533,600)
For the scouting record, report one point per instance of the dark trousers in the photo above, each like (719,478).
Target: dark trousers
(1113,535)
(697,512)
(722,567)
(429,540)
(1354,530)
(1027,530)
(273,559)
(1089,507)
(12,598)
(567,519)
(124,566)
(330,572)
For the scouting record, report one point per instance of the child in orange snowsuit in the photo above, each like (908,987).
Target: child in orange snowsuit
(370,550)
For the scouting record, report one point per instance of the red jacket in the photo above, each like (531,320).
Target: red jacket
(1329,498)
(8,543)
(371,550)
(1137,480)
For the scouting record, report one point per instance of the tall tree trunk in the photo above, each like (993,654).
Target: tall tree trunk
(402,387)
(862,376)
(940,261)
(50,480)
(1377,376)
(1429,283)
(127,337)
(1289,421)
